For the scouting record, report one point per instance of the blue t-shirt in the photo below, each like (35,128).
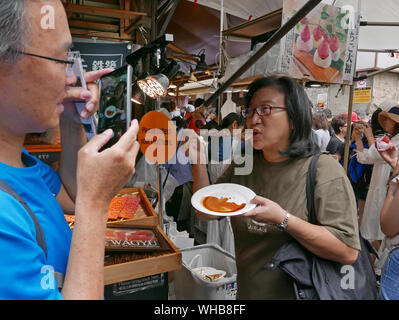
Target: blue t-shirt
(26,273)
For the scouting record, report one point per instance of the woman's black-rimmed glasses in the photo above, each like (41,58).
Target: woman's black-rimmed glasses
(261,110)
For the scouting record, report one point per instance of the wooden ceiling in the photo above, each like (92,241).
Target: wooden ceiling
(114,20)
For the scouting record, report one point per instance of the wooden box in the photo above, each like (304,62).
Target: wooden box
(120,267)
(145,214)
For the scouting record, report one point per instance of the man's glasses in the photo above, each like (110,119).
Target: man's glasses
(69,63)
(261,111)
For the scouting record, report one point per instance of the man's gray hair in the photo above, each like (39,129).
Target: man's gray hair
(14,29)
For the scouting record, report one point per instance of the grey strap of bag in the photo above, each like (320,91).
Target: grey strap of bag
(41,241)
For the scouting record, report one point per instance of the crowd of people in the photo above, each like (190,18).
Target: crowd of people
(369,170)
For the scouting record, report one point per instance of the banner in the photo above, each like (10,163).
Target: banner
(97,56)
(322,46)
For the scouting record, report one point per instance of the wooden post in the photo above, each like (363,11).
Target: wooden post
(349,128)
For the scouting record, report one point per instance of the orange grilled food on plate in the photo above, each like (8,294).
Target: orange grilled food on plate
(221,205)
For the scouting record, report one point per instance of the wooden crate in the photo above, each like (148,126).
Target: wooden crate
(139,265)
(145,214)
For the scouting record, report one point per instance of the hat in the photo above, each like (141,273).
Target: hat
(392,114)
(355,118)
(190,108)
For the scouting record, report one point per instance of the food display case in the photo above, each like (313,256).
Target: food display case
(126,265)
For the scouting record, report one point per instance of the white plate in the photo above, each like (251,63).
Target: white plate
(237,194)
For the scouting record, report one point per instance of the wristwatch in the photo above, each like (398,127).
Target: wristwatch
(283,225)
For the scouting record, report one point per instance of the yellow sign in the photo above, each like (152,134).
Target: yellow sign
(362,95)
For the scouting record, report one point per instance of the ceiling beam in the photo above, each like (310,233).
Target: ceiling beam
(103,12)
(111,36)
(80,24)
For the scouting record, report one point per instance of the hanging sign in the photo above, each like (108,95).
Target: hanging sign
(157,137)
(322,46)
(97,56)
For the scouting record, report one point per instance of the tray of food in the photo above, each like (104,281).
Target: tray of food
(130,207)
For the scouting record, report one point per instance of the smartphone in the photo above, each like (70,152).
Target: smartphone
(89,124)
(112,112)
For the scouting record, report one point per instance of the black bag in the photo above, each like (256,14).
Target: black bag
(316,278)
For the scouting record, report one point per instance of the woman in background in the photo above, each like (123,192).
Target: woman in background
(320,124)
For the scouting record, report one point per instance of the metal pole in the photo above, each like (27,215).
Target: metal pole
(291,23)
(378,24)
(129,96)
(160,196)
(376,72)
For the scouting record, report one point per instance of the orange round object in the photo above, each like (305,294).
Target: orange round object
(157,137)
(221,205)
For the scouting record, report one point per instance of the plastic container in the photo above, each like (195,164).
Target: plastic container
(190,286)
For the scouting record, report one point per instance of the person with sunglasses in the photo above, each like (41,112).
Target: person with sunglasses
(278,113)
(41,258)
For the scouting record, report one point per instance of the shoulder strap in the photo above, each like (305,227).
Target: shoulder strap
(310,187)
(39,232)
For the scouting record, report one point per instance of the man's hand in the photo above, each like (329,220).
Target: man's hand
(102,174)
(91,96)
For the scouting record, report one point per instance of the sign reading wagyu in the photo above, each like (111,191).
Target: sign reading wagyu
(157,137)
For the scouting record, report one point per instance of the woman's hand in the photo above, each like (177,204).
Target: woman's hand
(390,156)
(266,211)
(89,96)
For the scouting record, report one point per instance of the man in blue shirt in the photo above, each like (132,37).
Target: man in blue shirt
(35,96)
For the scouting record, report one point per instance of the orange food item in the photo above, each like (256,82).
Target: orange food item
(129,208)
(221,205)
(115,207)
(123,207)
(70,218)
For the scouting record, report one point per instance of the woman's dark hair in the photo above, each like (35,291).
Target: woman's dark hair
(198,102)
(302,144)
(337,122)
(374,124)
(180,123)
(230,118)
(320,120)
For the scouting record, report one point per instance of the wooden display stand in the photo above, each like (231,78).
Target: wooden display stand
(128,266)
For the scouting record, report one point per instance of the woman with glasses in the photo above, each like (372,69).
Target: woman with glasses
(278,112)
(336,145)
